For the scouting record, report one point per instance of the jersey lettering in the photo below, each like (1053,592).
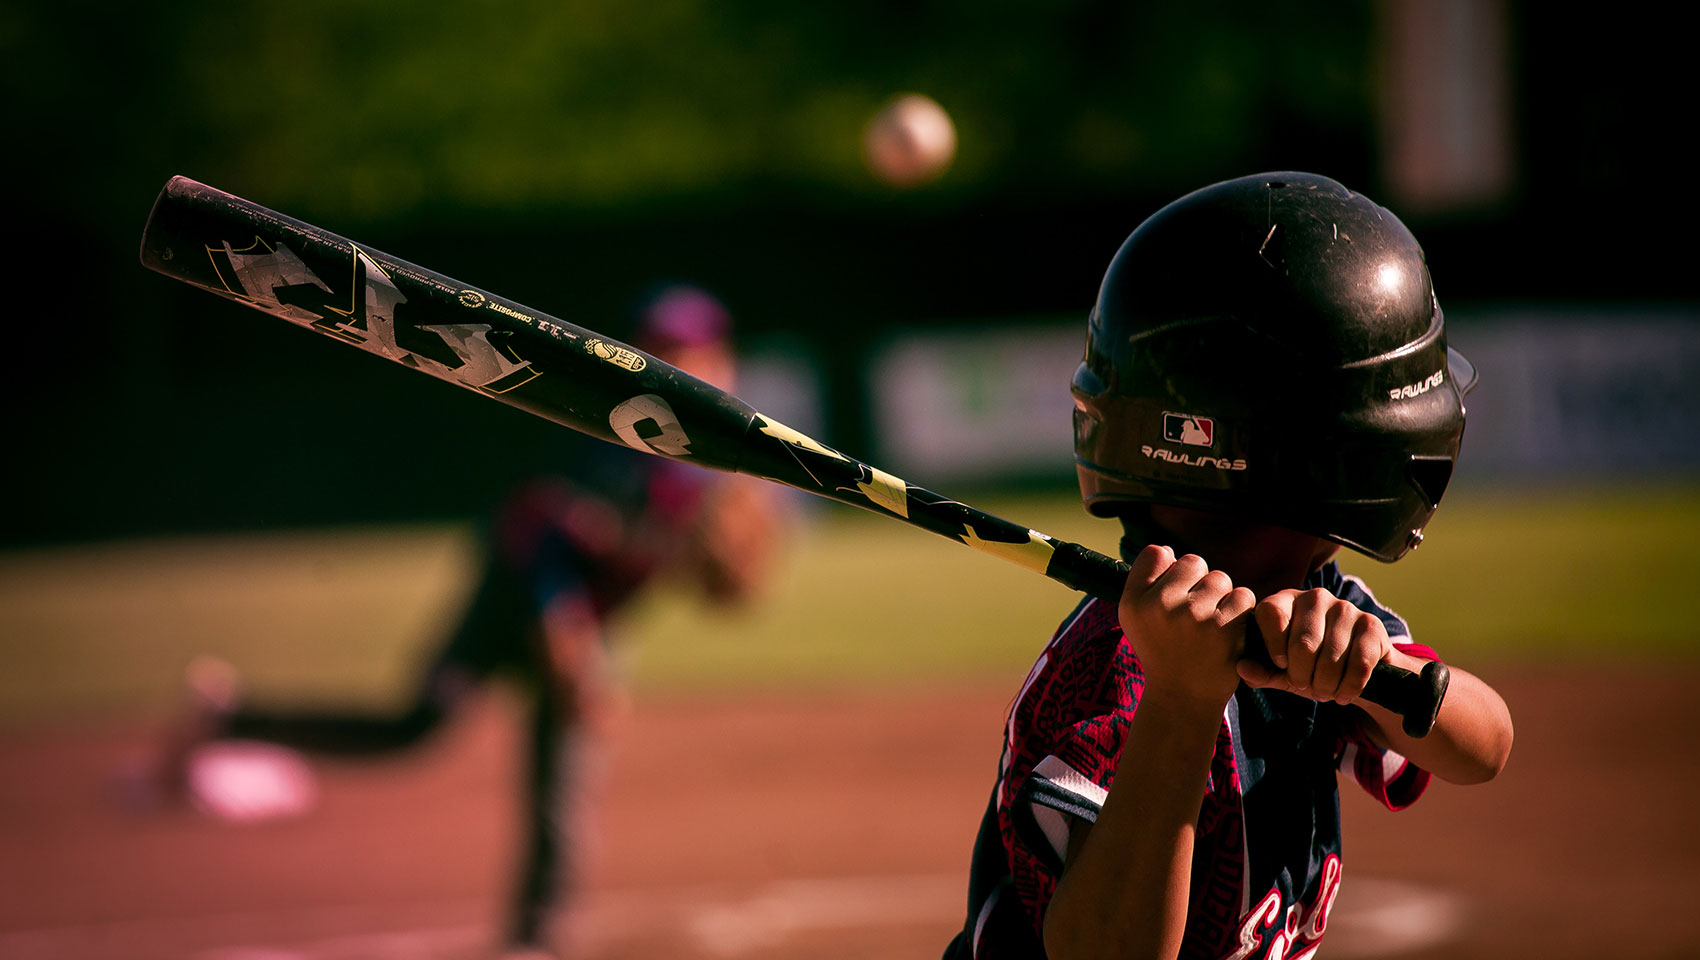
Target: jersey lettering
(1251,928)
(1316,923)
(1300,928)
(1284,938)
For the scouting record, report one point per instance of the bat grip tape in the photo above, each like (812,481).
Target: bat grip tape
(1415,697)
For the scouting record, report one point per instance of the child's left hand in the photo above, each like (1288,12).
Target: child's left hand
(1323,647)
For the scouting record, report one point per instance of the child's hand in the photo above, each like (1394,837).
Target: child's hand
(1323,647)
(1186,623)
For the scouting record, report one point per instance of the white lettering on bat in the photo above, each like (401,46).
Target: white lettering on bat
(371,325)
(625,418)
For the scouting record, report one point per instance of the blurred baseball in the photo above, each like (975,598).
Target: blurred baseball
(910,141)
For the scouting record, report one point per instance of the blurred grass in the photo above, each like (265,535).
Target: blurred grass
(316,614)
(342,615)
(1601,573)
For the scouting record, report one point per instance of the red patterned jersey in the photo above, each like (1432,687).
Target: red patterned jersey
(1266,855)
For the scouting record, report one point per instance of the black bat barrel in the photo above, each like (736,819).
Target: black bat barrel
(440,326)
(583,380)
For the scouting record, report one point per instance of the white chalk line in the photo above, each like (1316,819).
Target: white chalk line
(794,906)
(1372,918)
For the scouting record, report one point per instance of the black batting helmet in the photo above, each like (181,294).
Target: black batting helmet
(1271,347)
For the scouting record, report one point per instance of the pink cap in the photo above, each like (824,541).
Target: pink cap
(682,316)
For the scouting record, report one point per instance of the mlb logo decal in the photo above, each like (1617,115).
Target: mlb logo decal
(1188,429)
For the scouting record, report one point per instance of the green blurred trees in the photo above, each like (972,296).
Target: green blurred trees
(376,109)
(569,154)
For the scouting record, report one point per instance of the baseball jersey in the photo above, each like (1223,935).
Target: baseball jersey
(599,540)
(1266,856)
(608,539)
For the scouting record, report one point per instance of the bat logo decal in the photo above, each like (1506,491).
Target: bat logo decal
(277,280)
(671,441)
(615,354)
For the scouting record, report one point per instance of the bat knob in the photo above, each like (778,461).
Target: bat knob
(1426,692)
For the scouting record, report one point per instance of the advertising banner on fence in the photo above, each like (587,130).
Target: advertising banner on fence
(1565,392)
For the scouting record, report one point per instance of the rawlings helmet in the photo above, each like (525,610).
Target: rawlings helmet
(1271,348)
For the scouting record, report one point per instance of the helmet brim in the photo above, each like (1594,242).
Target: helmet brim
(1461,370)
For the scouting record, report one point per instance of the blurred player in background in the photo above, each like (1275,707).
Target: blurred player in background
(563,554)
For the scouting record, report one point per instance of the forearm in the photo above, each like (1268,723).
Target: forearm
(1124,888)
(1472,735)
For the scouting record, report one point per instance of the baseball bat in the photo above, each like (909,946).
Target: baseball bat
(586,381)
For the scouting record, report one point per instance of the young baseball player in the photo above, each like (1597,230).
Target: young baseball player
(564,554)
(1266,381)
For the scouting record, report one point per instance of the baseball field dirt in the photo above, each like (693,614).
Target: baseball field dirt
(771,827)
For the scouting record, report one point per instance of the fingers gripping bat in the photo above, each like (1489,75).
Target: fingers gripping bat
(583,380)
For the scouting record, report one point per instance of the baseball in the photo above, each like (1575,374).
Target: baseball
(910,141)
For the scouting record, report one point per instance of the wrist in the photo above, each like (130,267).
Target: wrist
(1184,705)
(1405,661)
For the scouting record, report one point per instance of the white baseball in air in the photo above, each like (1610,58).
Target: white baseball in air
(910,141)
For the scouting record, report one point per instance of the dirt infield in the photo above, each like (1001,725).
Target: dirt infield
(775,828)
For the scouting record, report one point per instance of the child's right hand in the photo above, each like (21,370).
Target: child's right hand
(1322,647)
(1186,623)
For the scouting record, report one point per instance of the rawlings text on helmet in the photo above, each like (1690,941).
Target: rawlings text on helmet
(1188,460)
(1410,390)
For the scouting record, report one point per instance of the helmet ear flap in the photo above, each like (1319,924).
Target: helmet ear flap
(1431,475)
